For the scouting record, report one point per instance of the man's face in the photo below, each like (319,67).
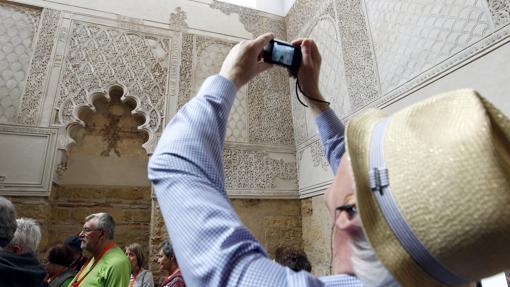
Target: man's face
(343,224)
(90,236)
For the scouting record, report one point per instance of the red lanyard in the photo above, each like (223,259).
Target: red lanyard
(77,282)
(134,279)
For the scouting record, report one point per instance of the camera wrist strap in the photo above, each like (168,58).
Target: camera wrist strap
(298,86)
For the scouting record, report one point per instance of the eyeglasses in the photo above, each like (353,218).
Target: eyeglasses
(88,230)
(349,208)
(351,211)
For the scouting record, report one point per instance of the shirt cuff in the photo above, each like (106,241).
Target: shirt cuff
(219,86)
(329,124)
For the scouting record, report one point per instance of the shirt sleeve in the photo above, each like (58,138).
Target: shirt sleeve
(331,131)
(212,246)
(148,280)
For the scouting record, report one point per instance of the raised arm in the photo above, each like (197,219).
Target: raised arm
(331,129)
(212,246)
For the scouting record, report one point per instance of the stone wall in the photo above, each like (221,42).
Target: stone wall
(274,222)
(316,234)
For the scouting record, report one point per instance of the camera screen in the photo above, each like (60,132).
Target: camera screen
(282,54)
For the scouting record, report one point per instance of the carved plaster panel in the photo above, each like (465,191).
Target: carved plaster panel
(301,16)
(34,93)
(17,31)
(500,10)
(359,60)
(254,21)
(178,19)
(332,80)
(202,57)
(100,56)
(255,172)
(411,37)
(269,108)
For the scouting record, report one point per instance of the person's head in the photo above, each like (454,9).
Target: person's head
(98,229)
(293,258)
(26,238)
(166,257)
(57,259)
(7,221)
(431,191)
(73,242)
(134,253)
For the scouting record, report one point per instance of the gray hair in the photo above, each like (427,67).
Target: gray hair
(27,235)
(167,249)
(7,221)
(368,268)
(105,222)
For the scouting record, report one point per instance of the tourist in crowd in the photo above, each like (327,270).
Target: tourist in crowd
(57,263)
(18,265)
(74,244)
(108,266)
(139,276)
(293,258)
(168,263)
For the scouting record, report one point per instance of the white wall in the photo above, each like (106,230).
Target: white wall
(200,16)
(489,75)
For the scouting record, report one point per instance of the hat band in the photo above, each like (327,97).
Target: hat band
(380,185)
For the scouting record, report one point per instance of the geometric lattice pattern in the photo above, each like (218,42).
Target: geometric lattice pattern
(332,81)
(18,26)
(102,55)
(412,36)
(210,56)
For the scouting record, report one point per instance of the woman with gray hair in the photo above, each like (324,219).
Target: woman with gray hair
(168,263)
(139,276)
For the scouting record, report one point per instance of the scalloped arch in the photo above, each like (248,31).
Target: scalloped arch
(68,113)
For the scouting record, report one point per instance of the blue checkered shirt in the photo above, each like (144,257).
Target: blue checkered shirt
(211,244)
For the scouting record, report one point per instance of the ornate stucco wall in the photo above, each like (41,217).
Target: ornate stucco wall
(66,66)
(91,91)
(390,54)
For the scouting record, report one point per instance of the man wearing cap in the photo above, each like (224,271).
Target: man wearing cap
(108,266)
(428,185)
(74,244)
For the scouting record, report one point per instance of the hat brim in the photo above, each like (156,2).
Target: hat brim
(386,246)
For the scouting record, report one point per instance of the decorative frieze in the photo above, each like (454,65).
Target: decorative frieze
(253,172)
(178,20)
(34,93)
(500,10)
(254,21)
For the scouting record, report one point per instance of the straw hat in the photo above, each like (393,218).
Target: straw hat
(442,178)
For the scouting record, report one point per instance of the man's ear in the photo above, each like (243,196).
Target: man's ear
(16,249)
(347,222)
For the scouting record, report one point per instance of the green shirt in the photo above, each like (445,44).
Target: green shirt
(112,270)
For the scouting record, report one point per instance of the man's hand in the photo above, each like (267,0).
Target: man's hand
(308,74)
(244,61)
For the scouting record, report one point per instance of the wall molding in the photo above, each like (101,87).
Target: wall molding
(22,137)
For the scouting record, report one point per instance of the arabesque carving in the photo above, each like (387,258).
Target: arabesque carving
(249,170)
(35,87)
(254,21)
(500,10)
(99,57)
